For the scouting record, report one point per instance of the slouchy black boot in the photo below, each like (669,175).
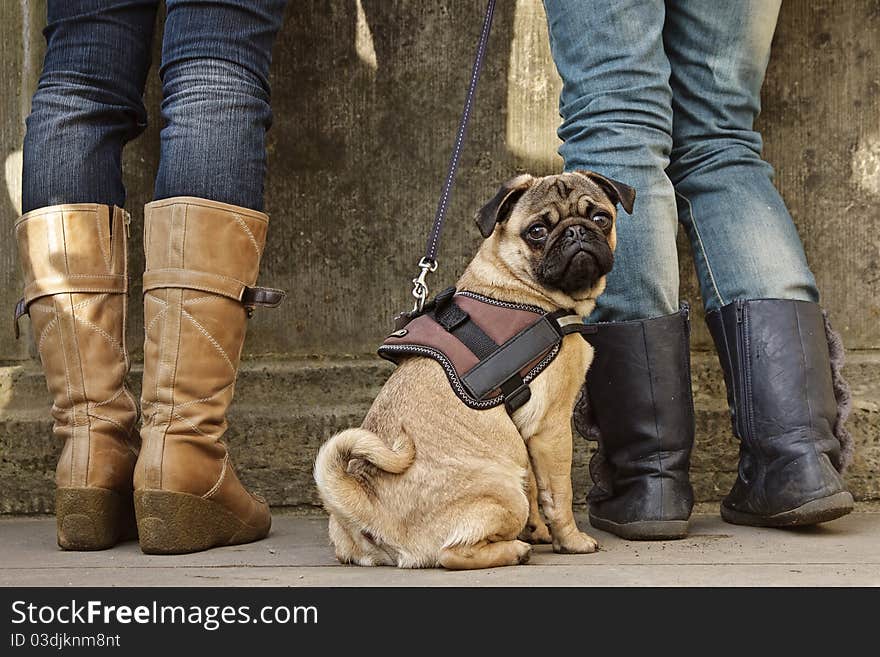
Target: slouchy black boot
(775,357)
(637,402)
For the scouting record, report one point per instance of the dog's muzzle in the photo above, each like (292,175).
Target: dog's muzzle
(576,261)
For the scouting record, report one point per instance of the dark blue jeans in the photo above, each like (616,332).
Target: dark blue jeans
(215,107)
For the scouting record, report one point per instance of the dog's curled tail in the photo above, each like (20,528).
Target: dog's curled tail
(346,462)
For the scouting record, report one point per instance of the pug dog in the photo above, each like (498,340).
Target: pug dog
(427,481)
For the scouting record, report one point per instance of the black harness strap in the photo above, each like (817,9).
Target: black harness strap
(569,322)
(475,339)
(504,363)
(511,357)
(455,320)
(516,393)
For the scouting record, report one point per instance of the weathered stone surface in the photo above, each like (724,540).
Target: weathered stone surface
(284,410)
(14,73)
(366,99)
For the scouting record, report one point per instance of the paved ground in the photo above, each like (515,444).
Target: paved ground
(844,552)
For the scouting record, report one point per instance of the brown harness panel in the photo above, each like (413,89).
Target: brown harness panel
(523,335)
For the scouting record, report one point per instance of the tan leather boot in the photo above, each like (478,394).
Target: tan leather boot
(75,270)
(203,258)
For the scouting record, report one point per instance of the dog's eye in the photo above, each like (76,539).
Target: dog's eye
(537,232)
(603,221)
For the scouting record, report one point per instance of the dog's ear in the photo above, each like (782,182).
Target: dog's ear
(501,205)
(617,191)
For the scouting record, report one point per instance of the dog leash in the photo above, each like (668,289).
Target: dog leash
(428,263)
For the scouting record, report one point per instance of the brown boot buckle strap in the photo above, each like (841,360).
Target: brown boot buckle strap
(231,288)
(70,284)
(20,309)
(266,297)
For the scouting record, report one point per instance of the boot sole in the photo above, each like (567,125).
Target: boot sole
(93,518)
(643,530)
(180,523)
(811,513)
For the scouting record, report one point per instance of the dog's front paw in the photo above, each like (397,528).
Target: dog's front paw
(536,534)
(523,552)
(576,542)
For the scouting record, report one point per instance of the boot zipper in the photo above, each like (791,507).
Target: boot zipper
(126,218)
(686,317)
(742,334)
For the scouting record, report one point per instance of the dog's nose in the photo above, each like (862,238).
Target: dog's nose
(576,232)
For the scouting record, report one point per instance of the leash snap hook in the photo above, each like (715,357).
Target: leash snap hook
(420,287)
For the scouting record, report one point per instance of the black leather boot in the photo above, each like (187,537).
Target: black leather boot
(775,357)
(637,402)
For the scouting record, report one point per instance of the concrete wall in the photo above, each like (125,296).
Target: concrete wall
(367,95)
(366,99)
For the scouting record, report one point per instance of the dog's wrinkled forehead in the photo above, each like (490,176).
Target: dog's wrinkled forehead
(576,193)
(565,195)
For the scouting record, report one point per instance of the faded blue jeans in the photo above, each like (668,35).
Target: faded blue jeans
(215,107)
(662,95)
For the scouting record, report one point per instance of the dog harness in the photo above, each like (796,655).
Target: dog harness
(490,350)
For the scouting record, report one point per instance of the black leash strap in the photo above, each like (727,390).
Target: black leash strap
(429,262)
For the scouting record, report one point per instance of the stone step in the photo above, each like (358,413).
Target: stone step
(316,382)
(284,410)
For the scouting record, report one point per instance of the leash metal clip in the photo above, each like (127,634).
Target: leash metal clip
(420,287)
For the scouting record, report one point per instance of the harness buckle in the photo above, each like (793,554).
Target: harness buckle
(517,397)
(573,323)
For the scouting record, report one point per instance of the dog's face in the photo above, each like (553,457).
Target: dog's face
(557,231)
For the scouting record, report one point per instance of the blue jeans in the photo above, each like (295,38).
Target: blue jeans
(662,95)
(215,107)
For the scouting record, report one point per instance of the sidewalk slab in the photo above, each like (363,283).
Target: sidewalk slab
(840,553)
